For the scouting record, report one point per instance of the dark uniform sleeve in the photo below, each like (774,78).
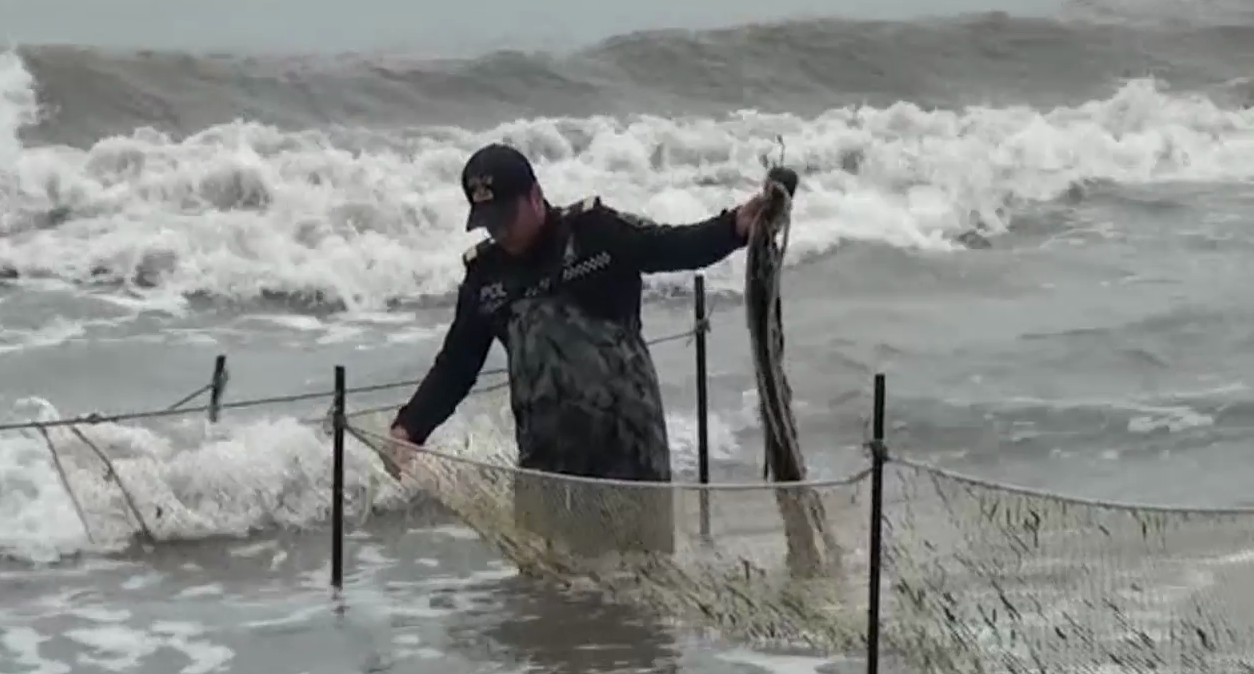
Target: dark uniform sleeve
(454,372)
(653,248)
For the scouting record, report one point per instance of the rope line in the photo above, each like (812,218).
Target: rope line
(376,441)
(112,474)
(327,420)
(65,484)
(191,396)
(1031,492)
(179,409)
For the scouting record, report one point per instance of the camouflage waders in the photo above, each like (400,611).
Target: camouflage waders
(586,402)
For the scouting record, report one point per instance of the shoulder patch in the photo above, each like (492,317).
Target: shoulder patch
(590,204)
(475,251)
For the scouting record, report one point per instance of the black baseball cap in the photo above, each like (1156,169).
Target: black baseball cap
(493,179)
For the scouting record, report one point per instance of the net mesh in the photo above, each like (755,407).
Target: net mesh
(985,578)
(978,577)
(644,543)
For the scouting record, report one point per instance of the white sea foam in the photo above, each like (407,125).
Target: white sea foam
(243,209)
(193,480)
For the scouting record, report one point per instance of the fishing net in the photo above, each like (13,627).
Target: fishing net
(978,577)
(984,578)
(644,543)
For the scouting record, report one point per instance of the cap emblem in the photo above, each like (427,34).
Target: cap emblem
(480,189)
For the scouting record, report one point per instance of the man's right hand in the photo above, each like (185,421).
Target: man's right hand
(395,454)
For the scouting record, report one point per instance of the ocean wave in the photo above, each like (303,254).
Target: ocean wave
(802,67)
(356,217)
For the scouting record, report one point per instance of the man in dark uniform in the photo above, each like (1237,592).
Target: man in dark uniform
(561,289)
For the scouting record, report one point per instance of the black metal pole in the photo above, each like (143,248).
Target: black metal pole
(875,551)
(218,384)
(337,484)
(703,401)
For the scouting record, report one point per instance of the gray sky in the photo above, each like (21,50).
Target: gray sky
(446,28)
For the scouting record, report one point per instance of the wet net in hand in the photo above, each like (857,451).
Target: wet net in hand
(643,543)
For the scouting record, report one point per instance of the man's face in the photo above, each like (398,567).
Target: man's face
(517,235)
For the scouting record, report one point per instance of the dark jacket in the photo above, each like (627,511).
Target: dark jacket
(583,387)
